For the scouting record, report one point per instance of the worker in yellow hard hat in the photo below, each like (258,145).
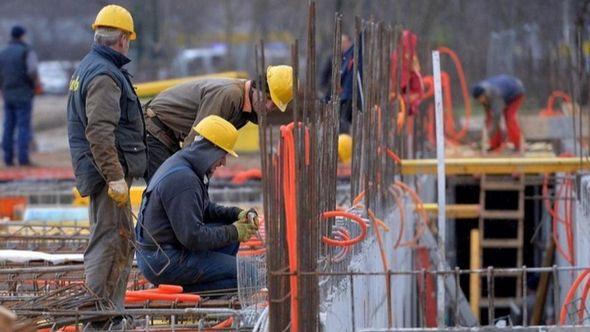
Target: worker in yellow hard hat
(170,116)
(106,137)
(344,148)
(200,238)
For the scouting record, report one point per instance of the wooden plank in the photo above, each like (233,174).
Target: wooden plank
(502,214)
(535,165)
(454,211)
(501,243)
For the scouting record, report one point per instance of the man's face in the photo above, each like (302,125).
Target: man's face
(482,99)
(269,105)
(217,164)
(346,43)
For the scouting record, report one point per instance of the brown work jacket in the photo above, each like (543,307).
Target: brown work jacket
(181,107)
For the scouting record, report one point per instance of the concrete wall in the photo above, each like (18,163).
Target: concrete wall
(370,295)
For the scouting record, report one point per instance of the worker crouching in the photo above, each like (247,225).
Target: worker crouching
(199,239)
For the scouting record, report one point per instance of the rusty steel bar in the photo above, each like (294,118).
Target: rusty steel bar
(490,279)
(524,297)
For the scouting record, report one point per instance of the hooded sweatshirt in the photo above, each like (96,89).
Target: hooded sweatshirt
(176,206)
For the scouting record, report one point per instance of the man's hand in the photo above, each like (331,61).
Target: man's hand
(245,230)
(119,192)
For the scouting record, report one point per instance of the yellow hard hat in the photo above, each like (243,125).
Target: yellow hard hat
(344,148)
(280,84)
(218,131)
(113,16)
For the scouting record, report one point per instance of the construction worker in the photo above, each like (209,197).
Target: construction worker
(19,82)
(346,78)
(199,238)
(406,73)
(502,94)
(107,145)
(171,114)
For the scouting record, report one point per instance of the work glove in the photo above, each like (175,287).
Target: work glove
(119,192)
(245,230)
(249,216)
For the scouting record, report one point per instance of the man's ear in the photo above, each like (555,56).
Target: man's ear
(123,39)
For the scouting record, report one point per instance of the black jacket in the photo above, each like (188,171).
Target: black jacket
(130,132)
(176,206)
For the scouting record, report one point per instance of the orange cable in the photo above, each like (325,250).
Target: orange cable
(570,295)
(353,217)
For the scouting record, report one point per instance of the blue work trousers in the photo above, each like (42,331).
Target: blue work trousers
(195,271)
(17,115)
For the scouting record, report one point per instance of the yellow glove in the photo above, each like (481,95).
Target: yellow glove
(245,230)
(119,192)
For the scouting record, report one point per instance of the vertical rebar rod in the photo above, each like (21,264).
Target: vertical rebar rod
(556,301)
(524,297)
(456,295)
(352,302)
(492,292)
(440,156)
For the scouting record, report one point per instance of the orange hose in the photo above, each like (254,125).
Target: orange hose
(556,219)
(224,325)
(148,295)
(243,176)
(582,309)
(401,115)
(549,110)
(402,218)
(167,289)
(341,233)
(69,328)
(570,295)
(422,212)
(393,156)
(465,92)
(373,219)
(353,217)
(290,193)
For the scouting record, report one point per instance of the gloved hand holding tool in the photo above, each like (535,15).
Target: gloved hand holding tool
(119,192)
(249,216)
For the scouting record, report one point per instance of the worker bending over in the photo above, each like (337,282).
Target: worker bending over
(200,237)
(502,94)
(171,114)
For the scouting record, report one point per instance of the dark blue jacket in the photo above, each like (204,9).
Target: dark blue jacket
(17,85)
(503,87)
(176,206)
(130,132)
(347,74)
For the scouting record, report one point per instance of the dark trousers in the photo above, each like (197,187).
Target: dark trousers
(17,115)
(108,258)
(345,116)
(158,152)
(195,271)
